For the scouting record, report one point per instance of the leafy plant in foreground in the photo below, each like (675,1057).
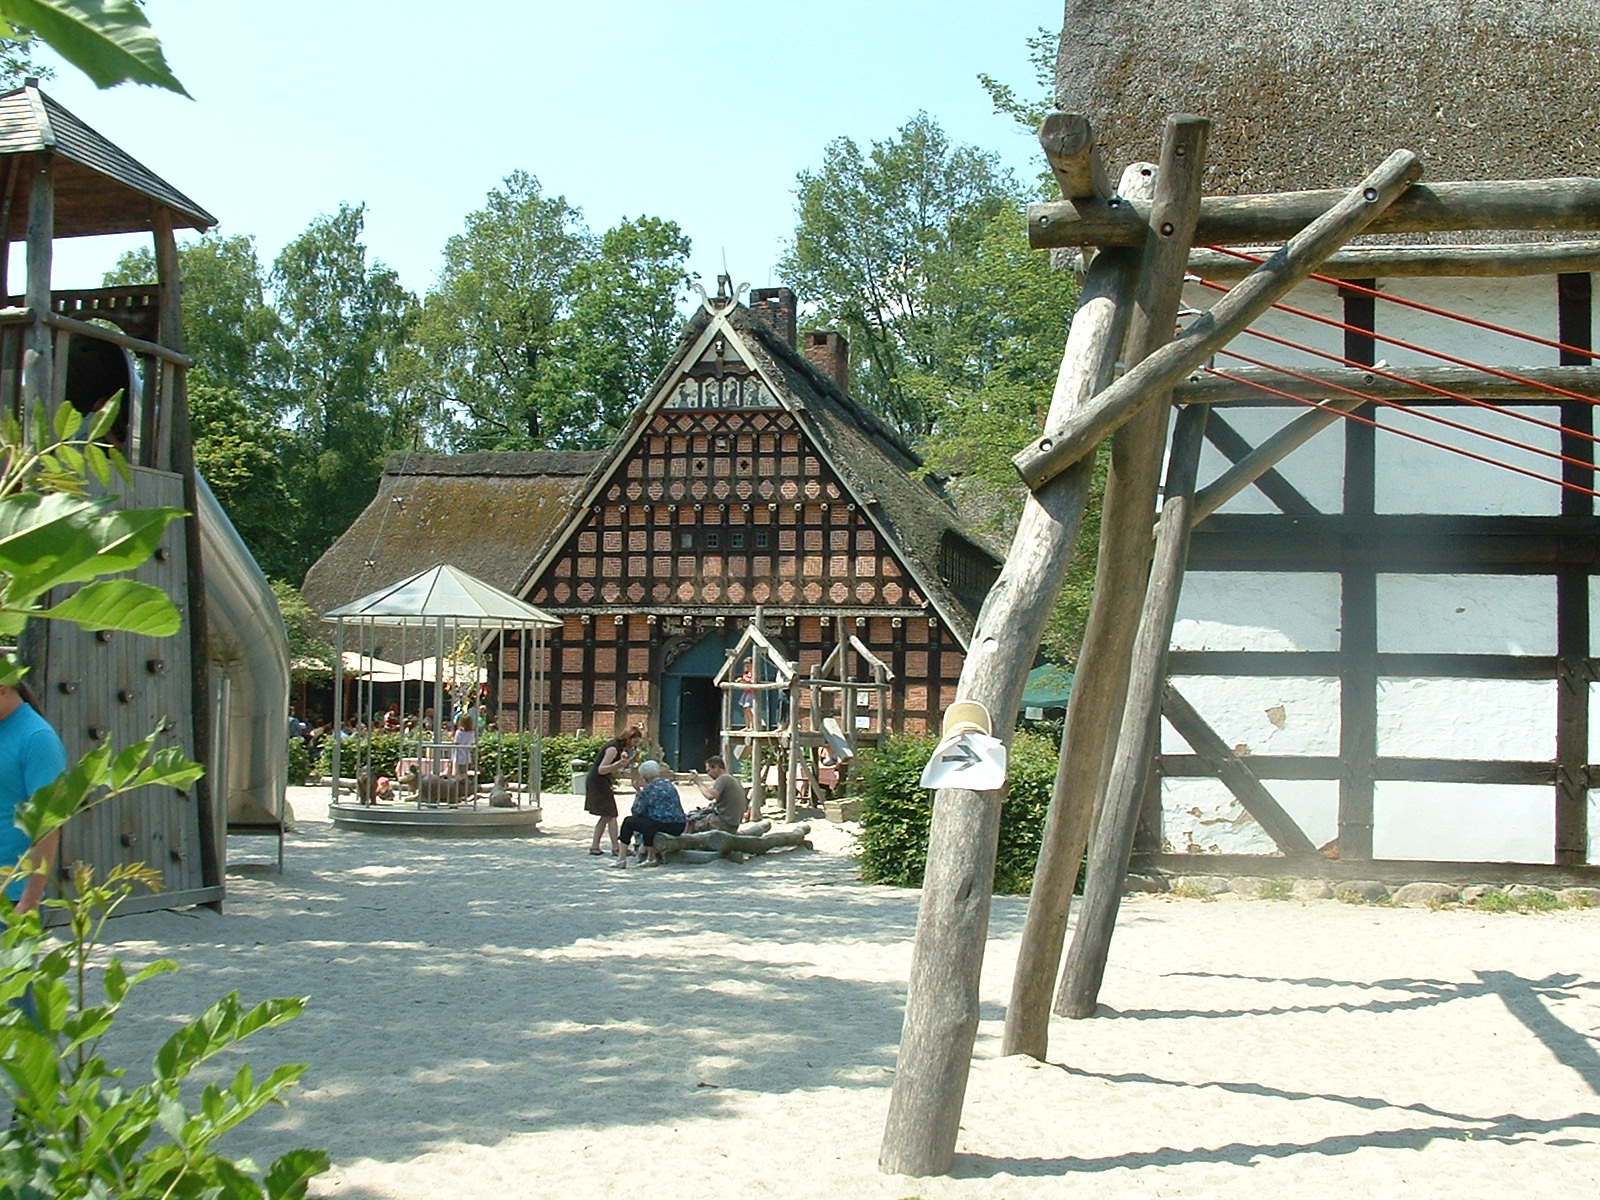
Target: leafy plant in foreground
(76,1130)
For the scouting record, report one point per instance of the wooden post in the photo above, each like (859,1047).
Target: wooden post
(1268,454)
(213,821)
(1231,315)
(1141,718)
(1099,682)
(5,228)
(37,360)
(1068,144)
(1554,204)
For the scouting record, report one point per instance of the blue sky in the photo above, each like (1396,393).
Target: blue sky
(702,113)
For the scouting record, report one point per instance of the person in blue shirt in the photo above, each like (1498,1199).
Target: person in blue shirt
(656,809)
(31,756)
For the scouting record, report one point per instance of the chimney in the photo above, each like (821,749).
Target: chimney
(775,308)
(829,353)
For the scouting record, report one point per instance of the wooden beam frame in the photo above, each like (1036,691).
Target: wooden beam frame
(1100,682)
(942,1002)
(1571,205)
(1140,730)
(1260,461)
(1503,260)
(1229,317)
(1415,385)
(1264,475)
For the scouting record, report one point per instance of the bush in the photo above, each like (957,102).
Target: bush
(299,761)
(561,748)
(896,812)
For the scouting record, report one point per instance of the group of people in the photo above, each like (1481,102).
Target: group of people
(657,807)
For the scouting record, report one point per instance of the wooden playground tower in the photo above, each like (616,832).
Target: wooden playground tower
(1144,241)
(789,742)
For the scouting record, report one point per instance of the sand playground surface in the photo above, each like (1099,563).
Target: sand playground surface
(509,1018)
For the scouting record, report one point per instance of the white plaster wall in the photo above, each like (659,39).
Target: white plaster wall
(1319,298)
(1528,305)
(1594,727)
(1257,610)
(1464,822)
(1415,478)
(1315,470)
(1200,816)
(1266,715)
(1496,719)
(1467,614)
(1594,826)
(1594,611)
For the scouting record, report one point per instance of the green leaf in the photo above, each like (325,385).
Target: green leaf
(108,40)
(287,1177)
(55,539)
(121,604)
(66,417)
(170,769)
(104,418)
(99,465)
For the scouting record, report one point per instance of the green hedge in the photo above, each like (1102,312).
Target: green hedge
(896,811)
(299,762)
(494,748)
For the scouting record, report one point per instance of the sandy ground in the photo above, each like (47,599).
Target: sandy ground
(513,1018)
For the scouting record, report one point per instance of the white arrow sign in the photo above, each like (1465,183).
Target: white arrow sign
(968,760)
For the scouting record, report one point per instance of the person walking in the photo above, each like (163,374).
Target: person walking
(599,786)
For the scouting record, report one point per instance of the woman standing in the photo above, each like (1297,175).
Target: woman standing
(599,786)
(465,739)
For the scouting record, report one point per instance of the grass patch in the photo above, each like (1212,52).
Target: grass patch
(1188,889)
(1277,889)
(1505,902)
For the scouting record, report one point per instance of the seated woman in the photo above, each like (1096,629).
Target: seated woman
(656,809)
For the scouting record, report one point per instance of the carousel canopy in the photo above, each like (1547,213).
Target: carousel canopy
(441,593)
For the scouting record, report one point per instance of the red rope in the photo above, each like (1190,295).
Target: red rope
(1416,437)
(1360,289)
(1497,372)
(1421,414)
(1515,414)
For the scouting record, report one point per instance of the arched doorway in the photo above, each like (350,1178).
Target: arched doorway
(691,703)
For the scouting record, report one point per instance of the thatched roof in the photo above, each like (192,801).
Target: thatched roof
(487,514)
(1304,93)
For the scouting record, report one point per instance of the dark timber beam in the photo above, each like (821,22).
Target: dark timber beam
(1235,774)
(1262,473)
(1554,204)
(1214,329)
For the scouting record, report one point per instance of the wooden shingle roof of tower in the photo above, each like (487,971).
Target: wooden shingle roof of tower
(1305,94)
(99,188)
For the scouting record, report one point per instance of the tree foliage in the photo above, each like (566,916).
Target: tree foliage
(539,334)
(345,321)
(880,240)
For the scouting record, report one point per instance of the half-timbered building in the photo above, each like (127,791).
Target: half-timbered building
(747,479)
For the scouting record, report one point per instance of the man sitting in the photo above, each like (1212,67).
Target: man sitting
(726,794)
(656,809)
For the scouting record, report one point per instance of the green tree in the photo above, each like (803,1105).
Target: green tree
(17,63)
(345,321)
(622,328)
(878,238)
(237,396)
(486,333)
(311,654)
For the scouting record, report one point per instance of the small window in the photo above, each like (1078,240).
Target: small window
(686,539)
(736,541)
(713,540)
(761,541)
(722,443)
